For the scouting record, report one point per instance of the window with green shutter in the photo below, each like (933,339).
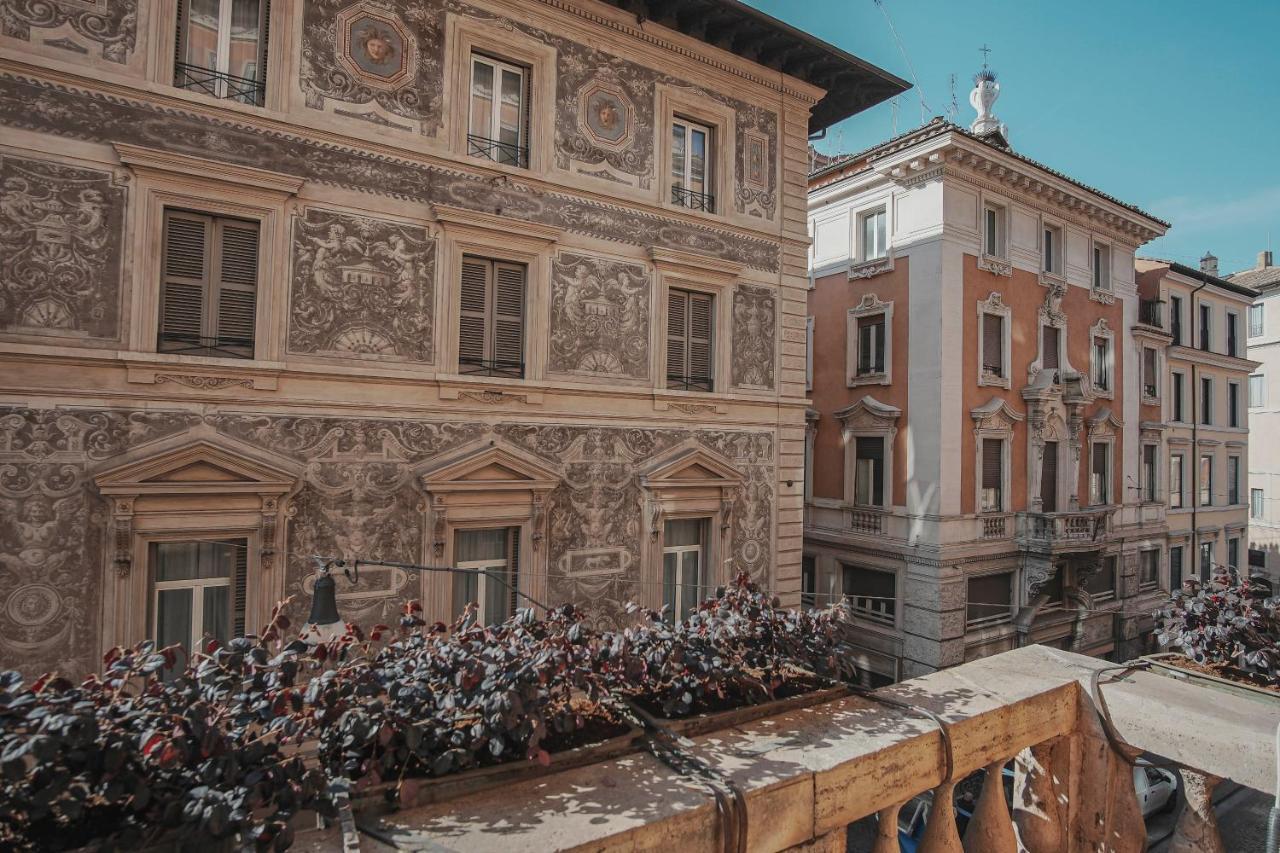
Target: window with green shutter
(690,320)
(209,292)
(491,322)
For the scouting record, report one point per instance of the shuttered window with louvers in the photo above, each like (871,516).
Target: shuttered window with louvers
(1050,345)
(239,584)
(690,323)
(993,344)
(491,321)
(208,300)
(992,475)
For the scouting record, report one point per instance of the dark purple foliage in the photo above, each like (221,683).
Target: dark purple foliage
(1229,621)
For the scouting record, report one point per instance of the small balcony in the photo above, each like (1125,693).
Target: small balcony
(506,153)
(1078,530)
(1063,730)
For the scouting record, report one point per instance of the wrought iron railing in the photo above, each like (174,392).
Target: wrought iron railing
(491,367)
(219,84)
(214,347)
(506,153)
(688,383)
(1151,313)
(693,200)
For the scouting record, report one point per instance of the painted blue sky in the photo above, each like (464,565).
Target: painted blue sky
(1172,105)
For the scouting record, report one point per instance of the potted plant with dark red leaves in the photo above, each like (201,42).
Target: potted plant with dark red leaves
(738,648)
(435,702)
(1227,633)
(159,752)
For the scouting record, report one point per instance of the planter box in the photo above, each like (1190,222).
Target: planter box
(438,789)
(1167,664)
(700,724)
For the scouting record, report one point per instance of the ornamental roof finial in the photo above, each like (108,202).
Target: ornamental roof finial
(985,92)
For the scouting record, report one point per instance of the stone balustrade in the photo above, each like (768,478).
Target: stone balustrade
(806,775)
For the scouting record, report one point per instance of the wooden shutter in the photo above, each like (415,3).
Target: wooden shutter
(992,463)
(237,287)
(993,344)
(700,322)
(508,319)
(239,584)
(473,345)
(1050,347)
(1049,478)
(677,337)
(513,572)
(186,280)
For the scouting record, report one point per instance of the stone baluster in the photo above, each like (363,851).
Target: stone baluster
(887,830)
(1037,798)
(991,828)
(1197,828)
(941,835)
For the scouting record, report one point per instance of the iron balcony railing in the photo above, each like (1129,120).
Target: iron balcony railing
(219,84)
(680,382)
(506,153)
(1151,313)
(693,200)
(491,367)
(214,347)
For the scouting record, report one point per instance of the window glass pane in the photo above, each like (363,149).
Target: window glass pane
(993,245)
(466,589)
(471,545)
(510,117)
(691,580)
(497,595)
(245,49)
(990,598)
(697,161)
(200,42)
(678,155)
(217,612)
(870,592)
(683,531)
(173,618)
(481,99)
(670,564)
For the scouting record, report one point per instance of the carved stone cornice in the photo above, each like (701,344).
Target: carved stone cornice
(868,269)
(693,264)
(462,219)
(142,159)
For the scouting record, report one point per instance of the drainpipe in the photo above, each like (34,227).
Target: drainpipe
(1195,436)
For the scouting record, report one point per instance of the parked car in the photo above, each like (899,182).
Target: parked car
(1157,789)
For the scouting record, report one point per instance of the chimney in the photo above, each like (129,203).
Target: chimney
(1209,264)
(1265,260)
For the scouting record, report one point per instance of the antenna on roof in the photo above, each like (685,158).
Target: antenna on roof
(953,111)
(924,107)
(894,104)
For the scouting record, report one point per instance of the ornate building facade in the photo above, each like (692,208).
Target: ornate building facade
(980,447)
(516,286)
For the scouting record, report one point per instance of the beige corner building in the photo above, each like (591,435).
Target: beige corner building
(1203,399)
(512,286)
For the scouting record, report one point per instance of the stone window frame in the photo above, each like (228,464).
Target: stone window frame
(453,502)
(1150,400)
(1058,322)
(161,51)
(1105,294)
(1158,583)
(464,36)
(467,232)
(1234,418)
(994,420)
(145,508)
(868,418)
(1102,329)
(1104,428)
(1059,274)
(666,496)
(860,266)
(995,305)
(1174,376)
(672,101)
(697,273)
(1001,255)
(869,306)
(165,181)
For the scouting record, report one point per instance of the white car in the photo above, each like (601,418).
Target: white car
(1156,788)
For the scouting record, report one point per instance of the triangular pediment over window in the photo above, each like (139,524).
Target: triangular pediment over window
(490,466)
(197,465)
(692,465)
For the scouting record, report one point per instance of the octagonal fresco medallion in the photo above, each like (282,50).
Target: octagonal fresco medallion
(605,114)
(375,46)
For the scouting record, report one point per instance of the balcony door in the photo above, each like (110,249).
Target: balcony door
(198,594)
(492,556)
(222,48)
(683,565)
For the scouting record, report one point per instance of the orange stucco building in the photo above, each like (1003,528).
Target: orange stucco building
(982,470)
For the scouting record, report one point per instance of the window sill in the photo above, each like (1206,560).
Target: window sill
(996,265)
(488,389)
(869,269)
(881,378)
(1106,297)
(991,380)
(202,372)
(1150,401)
(1052,279)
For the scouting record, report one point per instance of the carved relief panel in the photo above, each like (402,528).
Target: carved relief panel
(362,288)
(753,337)
(60,249)
(600,311)
(378,62)
(106,28)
